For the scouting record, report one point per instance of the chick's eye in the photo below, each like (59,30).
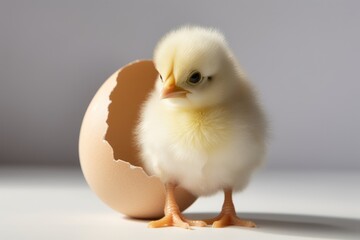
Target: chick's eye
(161,78)
(194,78)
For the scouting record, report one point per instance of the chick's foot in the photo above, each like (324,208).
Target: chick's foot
(176,219)
(228,217)
(173,216)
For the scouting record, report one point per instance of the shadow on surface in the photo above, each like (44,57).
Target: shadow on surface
(298,225)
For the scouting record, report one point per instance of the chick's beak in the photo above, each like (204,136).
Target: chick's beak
(170,90)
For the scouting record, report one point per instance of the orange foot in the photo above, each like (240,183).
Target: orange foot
(173,216)
(229,219)
(177,220)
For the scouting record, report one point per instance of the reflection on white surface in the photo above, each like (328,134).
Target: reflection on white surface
(57,204)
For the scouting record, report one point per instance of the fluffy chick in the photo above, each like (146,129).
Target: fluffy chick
(201,127)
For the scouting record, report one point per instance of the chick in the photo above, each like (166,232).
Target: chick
(201,127)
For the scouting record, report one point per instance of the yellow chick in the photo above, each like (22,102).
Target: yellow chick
(201,127)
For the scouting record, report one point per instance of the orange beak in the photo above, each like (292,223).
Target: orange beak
(170,90)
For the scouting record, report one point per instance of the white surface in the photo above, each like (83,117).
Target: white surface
(57,204)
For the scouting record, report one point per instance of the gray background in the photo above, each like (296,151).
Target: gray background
(302,55)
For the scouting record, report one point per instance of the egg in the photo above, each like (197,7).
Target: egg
(108,154)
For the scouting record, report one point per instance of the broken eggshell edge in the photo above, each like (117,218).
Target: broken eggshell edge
(124,187)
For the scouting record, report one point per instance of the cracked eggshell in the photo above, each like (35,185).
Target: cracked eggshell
(108,153)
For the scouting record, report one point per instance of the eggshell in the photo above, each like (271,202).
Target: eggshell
(108,156)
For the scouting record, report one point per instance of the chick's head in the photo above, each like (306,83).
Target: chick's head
(195,68)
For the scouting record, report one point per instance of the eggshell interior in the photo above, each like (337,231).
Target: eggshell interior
(108,154)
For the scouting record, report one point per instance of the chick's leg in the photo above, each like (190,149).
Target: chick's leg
(173,216)
(228,217)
